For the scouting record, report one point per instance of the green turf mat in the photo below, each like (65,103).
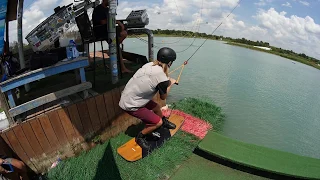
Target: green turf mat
(202,169)
(103,162)
(260,157)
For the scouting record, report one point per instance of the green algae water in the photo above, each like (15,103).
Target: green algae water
(268,100)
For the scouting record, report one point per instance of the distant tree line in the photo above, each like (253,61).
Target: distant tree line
(253,43)
(185,33)
(14,47)
(291,53)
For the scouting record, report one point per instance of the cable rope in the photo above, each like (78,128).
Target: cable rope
(186,62)
(187,34)
(194,39)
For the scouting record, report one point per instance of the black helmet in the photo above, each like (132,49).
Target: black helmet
(166,55)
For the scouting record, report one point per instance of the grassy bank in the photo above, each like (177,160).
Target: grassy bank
(103,162)
(288,56)
(203,109)
(198,167)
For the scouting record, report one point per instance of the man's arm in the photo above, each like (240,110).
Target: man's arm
(164,88)
(105,21)
(120,24)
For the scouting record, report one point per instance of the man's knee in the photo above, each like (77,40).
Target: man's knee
(125,34)
(159,123)
(157,108)
(19,165)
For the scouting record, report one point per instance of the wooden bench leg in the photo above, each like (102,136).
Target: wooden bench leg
(83,79)
(11,99)
(77,73)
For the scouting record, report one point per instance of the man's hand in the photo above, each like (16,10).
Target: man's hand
(2,170)
(2,161)
(121,25)
(173,81)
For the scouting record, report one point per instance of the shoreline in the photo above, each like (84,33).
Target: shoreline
(287,56)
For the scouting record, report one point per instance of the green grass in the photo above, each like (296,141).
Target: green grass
(198,167)
(103,162)
(203,109)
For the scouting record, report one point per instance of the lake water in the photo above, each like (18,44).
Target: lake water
(268,100)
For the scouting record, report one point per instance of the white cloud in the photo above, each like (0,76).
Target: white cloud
(44,5)
(212,11)
(241,24)
(65,2)
(287,4)
(263,2)
(260,3)
(305,3)
(283,31)
(35,14)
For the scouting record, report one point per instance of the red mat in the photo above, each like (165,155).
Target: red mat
(192,125)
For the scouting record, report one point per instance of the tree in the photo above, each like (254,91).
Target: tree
(14,47)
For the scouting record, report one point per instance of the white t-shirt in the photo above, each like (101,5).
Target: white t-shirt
(142,87)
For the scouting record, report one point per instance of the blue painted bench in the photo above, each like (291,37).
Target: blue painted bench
(76,64)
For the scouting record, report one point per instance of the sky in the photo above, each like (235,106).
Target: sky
(289,24)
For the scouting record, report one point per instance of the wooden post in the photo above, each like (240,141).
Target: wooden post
(5,107)
(7,33)
(20,41)
(112,40)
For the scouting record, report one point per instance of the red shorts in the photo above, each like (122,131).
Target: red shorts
(145,114)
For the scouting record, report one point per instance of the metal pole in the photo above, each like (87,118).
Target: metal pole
(20,41)
(150,40)
(150,44)
(7,33)
(112,40)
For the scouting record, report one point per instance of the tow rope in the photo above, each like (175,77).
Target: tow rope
(186,62)
(182,67)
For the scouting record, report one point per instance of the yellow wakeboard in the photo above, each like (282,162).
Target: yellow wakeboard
(131,151)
